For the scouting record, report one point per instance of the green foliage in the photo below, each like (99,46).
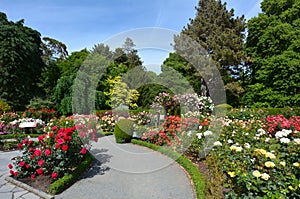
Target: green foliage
(65,182)
(192,170)
(148,93)
(4,107)
(20,61)
(39,103)
(273,42)
(123,131)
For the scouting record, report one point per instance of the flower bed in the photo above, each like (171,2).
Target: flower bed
(260,157)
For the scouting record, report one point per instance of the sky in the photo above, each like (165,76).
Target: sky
(82,24)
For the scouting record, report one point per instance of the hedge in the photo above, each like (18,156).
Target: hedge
(65,182)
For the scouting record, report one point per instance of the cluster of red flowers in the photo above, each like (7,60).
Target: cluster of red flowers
(44,114)
(279,122)
(52,154)
(172,127)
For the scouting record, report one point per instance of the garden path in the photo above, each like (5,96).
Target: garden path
(122,171)
(130,171)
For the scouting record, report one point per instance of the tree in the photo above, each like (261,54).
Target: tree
(53,50)
(21,62)
(273,43)
(62,92)
(221,36)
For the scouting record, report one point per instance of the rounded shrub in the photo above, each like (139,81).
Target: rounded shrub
(223,108)
(123,131)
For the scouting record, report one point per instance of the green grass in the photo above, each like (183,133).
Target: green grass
(193,171)
(65,182)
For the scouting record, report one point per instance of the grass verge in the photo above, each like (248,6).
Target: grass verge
(193,171)
(65,182)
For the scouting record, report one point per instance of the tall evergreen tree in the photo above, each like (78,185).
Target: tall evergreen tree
(273,42)
(21,62)
(221,35)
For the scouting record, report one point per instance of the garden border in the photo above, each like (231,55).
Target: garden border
(194,173)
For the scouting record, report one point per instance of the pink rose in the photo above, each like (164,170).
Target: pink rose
(47,152)
(54,175)
(21,164)
(41,162)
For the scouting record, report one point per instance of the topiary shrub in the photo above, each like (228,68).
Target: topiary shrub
(123,131)
(221,109)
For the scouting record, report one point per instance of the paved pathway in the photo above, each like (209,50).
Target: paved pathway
(122,171)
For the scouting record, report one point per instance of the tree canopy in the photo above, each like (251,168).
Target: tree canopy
(21,62)
(273,43)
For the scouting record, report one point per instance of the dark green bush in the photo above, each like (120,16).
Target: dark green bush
(123,131)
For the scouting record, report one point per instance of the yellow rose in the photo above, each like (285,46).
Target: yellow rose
(256,173)
(236,148)
(265,176)
(296,164)
(282,163)
(269,164)
(270,155)
(291,188)
(231,174)
(260,151)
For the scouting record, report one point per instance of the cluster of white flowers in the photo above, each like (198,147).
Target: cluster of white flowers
(217,143)
(25,120)
(260,133)
(283,133)
(285,140)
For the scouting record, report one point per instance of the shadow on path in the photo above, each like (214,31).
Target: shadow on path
(98,166)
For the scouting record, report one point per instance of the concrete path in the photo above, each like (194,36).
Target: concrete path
(125,171)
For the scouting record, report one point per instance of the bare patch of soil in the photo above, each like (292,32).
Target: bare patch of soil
(41,183)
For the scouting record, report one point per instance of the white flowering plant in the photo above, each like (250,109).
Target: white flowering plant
(259,163)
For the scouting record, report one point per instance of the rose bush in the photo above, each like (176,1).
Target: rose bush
(57,152)
(260,157)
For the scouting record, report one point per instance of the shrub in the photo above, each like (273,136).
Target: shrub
(4,107)
(123,131)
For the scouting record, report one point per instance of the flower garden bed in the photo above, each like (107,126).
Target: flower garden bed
(250,152)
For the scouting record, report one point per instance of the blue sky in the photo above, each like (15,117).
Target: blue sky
(81,24)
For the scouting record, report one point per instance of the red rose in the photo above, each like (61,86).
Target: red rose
(16,173)
(10,166)
(27,166)
(41,162)
(25,141)
(40,171)
(54,128)
(32,176)
(61,141)
(47,152)
(57,146)
(65,147)
(54,175)
(22,163)
(30,142)
(83,151)
(40,138)
(51,135)
(11,172)
(20,146)
(38,152)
